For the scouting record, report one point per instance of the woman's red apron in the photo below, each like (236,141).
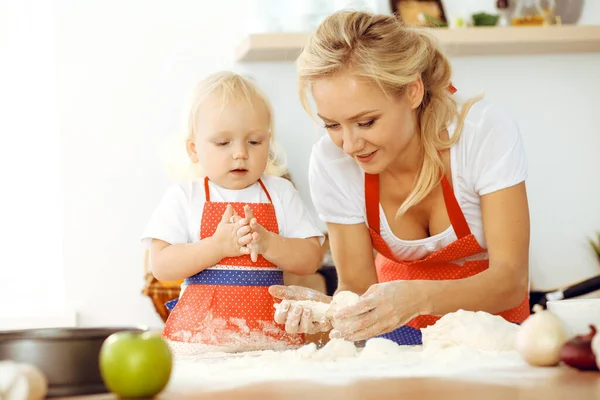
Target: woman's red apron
(228,306)
(447,263)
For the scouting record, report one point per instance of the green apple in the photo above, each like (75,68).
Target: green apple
(135,364)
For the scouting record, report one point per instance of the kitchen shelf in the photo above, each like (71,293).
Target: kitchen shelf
(479,41)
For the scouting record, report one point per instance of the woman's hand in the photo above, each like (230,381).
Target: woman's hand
(381,309)
(295,318)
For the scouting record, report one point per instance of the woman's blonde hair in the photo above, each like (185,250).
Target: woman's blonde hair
(229,87)
(381,49)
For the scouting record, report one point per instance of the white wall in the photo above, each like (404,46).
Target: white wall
(125,69)
(555,100)
(30,228)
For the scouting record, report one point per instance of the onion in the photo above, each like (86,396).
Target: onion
(577,352)
(541,338)
(596,349)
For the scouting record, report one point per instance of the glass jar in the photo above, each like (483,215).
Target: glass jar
(549,8)
(529,13)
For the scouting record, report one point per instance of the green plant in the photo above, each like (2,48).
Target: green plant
(596,245)
(434,22)
(484,19)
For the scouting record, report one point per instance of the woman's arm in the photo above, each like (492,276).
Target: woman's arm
(352,253)
(386,306)
(504,285)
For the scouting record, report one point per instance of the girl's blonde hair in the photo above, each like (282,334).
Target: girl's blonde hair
(381,49)
(229,87)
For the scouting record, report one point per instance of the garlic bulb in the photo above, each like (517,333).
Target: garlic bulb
(541,338)
(21,382)
(596,348)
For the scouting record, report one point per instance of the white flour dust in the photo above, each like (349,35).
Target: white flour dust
(444,353)
(216,335)
(308,363)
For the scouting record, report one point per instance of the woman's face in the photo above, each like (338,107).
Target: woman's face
(374,129)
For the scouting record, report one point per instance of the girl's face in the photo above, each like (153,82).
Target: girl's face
(231,143)
(374,129)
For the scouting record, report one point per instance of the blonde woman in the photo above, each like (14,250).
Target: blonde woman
(435,187)
(232,232)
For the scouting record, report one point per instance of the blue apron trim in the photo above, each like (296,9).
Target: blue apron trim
(236,277)
(171,304)
(405,335)
(232,277)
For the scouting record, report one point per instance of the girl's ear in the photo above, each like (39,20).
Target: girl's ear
(190,146)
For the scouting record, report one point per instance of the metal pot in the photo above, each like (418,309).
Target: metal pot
(569,11)
(68,357)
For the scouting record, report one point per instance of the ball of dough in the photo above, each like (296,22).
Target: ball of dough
(336,348)
(377,347)
(341,300)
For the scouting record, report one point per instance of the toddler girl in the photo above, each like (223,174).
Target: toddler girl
(232,233)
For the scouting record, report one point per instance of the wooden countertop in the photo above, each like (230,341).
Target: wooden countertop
(557,383)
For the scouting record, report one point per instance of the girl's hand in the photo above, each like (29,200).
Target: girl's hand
(226,235)
(253,235)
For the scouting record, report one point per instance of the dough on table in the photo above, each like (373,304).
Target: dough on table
(334,349)
(379,347)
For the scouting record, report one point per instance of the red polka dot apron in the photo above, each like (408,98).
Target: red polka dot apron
(458,260)
(228,306)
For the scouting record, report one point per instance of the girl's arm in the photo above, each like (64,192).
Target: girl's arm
(298,256)
(173,262)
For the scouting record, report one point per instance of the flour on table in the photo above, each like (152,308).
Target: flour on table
(232,336)
(462,345)
(478,330)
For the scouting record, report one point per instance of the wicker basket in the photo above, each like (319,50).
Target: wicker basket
(158,291)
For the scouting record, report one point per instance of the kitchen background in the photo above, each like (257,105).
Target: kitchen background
(92,90)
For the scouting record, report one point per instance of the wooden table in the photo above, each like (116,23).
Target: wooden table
(562,383)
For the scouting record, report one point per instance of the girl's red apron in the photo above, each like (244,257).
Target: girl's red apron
(447,263)
(229,305)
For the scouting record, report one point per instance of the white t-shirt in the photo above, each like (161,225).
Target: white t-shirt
(178,217)
(488,157)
